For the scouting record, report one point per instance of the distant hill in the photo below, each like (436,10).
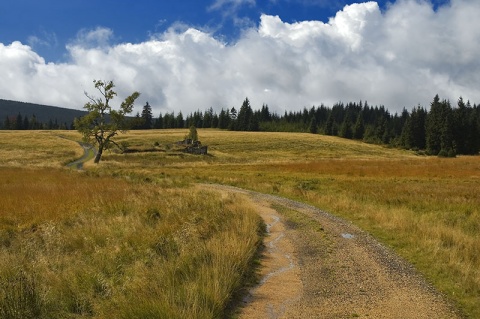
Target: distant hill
(43,113)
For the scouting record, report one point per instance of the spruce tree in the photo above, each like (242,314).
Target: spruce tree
(7,124)
(265,114)
(475,132)
(179,122)
(19,122)
(439,129)
(446,138)
(26,123)
(359,127)
(147,117)
(433,127)
(462,127)
(244,117)
(346,127)
(159,122)
(208,118)
(407,139)
(223,119)
(329,125)
(418,118)
(313,128)
(33,122)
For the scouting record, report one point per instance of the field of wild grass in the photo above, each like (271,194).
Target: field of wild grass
(37,148)
(426,208)
(78,245)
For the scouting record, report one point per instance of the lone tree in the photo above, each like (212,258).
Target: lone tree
(193,134)
(102,123)
(147,117)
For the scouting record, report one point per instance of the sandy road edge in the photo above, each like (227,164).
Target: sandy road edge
(358,277)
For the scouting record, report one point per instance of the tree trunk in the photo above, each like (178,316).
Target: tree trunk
(99,155)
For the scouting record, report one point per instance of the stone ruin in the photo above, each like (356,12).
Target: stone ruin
(193,147)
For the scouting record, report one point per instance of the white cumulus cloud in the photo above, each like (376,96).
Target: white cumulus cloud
(400,57)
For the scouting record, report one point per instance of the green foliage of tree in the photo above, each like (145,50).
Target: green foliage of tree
(224,119)
(313,127)
(208,118)
(233,113)
(179,121)
(19,122)
(433,127)
(192,133)
(330,125)
(419,117)
(103,122)
(465,128)
(6,123)
(147,117)
(359,127)
(439,129)
(244,116)
(265,115)
(346,127)
(169,120)
(472,144)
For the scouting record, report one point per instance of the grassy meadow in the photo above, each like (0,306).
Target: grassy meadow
(79,245)
(37,148)
(426,208)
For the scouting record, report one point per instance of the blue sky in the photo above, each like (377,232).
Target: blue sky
(289,54)
(48,26)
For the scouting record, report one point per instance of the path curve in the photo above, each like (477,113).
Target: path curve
(88,150)
(335,271)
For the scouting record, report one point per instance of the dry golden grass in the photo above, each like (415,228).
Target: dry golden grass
(426,208)
(254,147)
(75,246)
(38,148)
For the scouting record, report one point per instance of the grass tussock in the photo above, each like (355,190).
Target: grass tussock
(76,246)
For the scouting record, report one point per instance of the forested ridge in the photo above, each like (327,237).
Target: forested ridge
(16,115)
(444,129)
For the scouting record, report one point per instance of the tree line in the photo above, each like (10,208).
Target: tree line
(21,122)
(443,130)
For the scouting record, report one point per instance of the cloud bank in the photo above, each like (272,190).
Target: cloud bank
(400,57)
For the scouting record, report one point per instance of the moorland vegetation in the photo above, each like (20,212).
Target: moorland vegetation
(425,208)
(81,245)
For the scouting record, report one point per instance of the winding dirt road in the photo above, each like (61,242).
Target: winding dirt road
(316,265)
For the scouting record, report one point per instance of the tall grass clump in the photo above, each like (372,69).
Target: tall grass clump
(77,246)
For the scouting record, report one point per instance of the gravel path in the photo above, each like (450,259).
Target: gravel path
(331,269)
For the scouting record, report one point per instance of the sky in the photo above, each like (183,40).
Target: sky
(189,55)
